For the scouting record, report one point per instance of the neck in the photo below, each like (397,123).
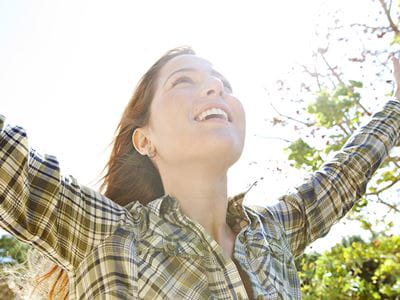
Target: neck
(202,196)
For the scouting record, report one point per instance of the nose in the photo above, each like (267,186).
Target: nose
(214,86)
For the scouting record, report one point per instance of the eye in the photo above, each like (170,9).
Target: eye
(182,79)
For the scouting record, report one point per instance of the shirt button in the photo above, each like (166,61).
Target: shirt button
(136,216)
(170,247)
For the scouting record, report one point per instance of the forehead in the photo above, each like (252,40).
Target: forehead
(184,61)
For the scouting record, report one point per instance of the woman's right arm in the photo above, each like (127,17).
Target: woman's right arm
(54,213)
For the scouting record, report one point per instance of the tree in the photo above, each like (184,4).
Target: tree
(347,73)
(329,105)
(353,269)
(12,252)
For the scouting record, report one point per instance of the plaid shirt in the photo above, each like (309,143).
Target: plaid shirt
(155,251)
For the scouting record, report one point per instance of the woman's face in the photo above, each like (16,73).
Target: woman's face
(187,86)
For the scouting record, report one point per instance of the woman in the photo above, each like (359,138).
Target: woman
(164,227)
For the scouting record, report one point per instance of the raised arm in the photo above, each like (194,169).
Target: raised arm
(311,209)
(38,205)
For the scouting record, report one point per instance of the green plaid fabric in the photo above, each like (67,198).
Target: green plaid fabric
(155,251)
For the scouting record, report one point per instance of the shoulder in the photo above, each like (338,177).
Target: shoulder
(268,220)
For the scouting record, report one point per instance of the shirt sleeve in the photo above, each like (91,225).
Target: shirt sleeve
(54,213)
(308,212)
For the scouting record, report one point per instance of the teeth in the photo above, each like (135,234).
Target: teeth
(212,111)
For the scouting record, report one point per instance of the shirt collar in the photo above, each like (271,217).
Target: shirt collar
(168,207)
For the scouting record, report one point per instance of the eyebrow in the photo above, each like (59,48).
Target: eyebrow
(193,69)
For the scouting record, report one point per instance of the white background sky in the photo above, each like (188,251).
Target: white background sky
(68,68)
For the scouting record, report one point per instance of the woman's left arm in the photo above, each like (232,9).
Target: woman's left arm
(308,212)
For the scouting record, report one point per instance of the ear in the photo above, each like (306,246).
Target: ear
(140,141)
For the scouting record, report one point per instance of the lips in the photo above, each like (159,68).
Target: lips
(212,113)
(214,109)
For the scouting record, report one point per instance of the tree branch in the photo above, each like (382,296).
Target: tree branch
(392,206)
(314,74)
(396,164)
(389,17)
(331,69)
(348,123)
(274,138)
(394,160)
(343,129)
(373,29)
(384,188)
(291,118)
(363,108)
(317,77)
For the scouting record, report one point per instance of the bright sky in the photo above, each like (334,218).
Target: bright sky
(68,68)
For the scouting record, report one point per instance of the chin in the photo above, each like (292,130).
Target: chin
(227,154)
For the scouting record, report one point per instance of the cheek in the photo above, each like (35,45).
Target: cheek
(171,122)
(240,123)
(175,106)
(240,115)
(243,113)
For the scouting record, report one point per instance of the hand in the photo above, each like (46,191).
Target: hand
(396,74)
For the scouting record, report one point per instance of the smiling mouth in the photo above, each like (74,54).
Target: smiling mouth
(213,113)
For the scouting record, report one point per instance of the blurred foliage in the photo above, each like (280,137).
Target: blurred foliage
(338,108)
(303,155)
(353,269)
(12,251)
(329,110)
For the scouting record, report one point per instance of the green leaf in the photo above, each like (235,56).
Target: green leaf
(357,84)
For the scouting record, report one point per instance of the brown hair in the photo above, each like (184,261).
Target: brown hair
(130,176)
